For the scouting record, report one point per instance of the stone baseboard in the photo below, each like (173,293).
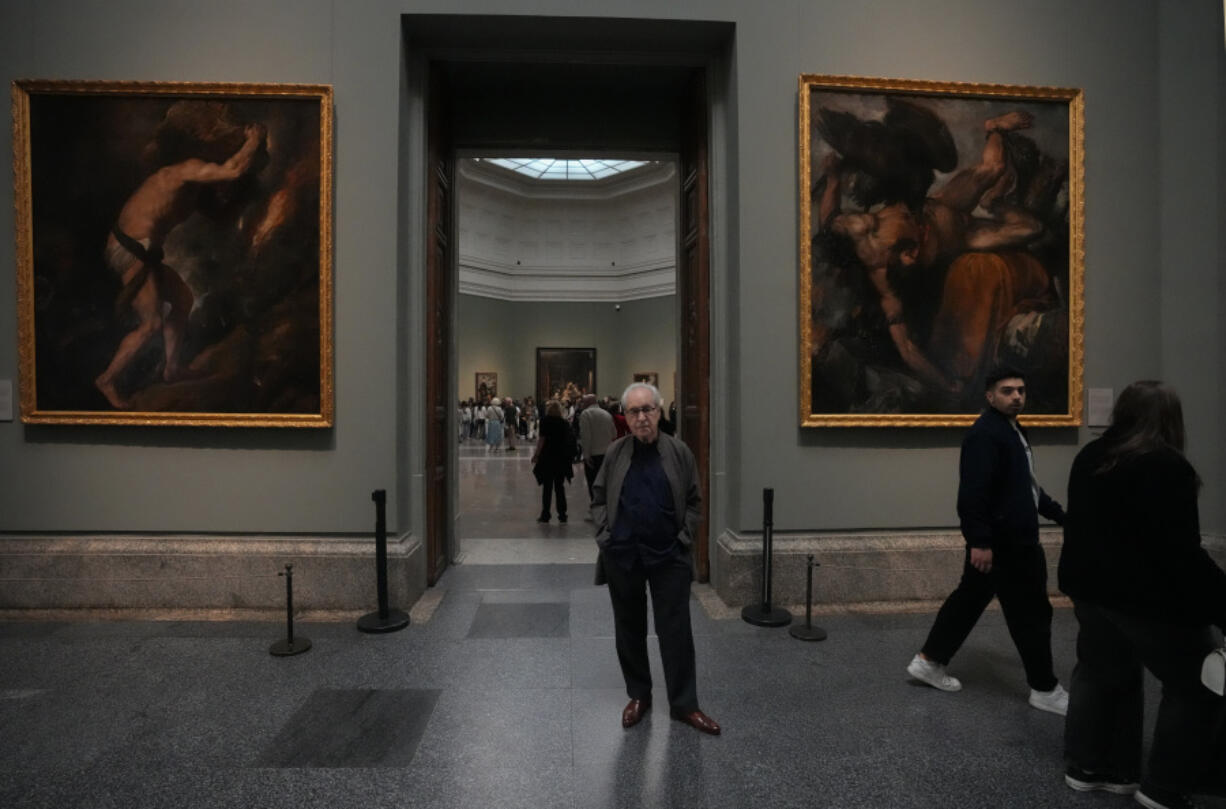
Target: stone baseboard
(879,568)
(203,575)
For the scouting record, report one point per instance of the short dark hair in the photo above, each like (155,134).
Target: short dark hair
(1000,372)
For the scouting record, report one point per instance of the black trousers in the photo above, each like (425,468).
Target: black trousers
(558,485)
(590,467)
(670,602)
(1019,580)
(1103,730)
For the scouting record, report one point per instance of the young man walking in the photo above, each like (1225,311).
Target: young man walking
(999,503)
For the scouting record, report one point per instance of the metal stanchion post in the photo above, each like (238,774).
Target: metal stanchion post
(385,620)
(764,614)
(808,631)
(291,645)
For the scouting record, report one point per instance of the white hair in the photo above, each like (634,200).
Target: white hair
(656,398)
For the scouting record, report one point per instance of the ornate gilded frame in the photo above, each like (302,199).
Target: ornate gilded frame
(837,287)
(255,253)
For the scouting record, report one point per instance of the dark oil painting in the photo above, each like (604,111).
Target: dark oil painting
(941,236)
(565,373)
(176,261)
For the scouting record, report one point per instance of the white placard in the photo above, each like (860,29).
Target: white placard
(1099,402)
(6,400)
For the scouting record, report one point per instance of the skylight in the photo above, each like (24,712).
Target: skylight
(548,168)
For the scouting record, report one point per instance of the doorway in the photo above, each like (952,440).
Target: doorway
(620,96)
(567,273)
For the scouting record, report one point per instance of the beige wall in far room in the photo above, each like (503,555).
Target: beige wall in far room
(502,336)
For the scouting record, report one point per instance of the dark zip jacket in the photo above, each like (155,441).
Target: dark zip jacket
(995,500)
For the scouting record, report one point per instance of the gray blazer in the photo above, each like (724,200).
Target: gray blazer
(682,472)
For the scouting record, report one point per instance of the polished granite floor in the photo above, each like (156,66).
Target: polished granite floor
(499,501)
(505,692)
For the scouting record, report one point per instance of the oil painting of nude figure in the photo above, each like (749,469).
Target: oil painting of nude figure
(941,236)
(174,247)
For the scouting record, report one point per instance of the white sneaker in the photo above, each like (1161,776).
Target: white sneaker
(1213,672)
(1053,701)
(932,673)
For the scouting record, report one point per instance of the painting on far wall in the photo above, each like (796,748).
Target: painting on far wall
(487,385)
(565,373)
(941,234)
(650,377)
(174,253)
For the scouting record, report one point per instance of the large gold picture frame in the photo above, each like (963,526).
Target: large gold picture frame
(941,234)
(174,253)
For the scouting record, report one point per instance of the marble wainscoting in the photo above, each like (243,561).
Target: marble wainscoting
(207,577)
(871,571)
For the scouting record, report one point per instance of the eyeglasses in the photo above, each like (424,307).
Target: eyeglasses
(645,410)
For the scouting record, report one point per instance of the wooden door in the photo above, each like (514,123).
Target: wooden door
(440,165)
(694,295)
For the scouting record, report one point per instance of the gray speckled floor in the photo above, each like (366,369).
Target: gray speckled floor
(499,701)
(510,696)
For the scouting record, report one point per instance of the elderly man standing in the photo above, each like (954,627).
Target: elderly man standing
(596,432)
(646,505)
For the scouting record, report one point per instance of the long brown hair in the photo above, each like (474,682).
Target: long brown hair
(1147,417)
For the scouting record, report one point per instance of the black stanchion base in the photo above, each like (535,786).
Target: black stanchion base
(756,615)
(285,648)
(375,624)
(807,632)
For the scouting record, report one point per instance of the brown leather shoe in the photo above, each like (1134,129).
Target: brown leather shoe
(697,720)
(634,712)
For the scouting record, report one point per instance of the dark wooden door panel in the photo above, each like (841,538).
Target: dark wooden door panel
(694,291)
(439,269)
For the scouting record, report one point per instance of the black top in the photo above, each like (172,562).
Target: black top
(1132,539)
(646,526)
(556,450)
(995,498)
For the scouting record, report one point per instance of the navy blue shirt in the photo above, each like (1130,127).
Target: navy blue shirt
(646,525)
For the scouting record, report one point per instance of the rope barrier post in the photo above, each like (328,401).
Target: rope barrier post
(385,620)
(808,631)
(291,645)
(764,614)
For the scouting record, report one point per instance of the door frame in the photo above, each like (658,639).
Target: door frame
(694,301)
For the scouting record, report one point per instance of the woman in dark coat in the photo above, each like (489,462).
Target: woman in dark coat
(551,462)
(1146,594)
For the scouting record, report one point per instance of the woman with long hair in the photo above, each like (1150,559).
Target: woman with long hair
(551,461)
(1146,595)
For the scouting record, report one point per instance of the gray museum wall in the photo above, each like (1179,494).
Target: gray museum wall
(1153,78)
(245,481)
(857,479)
(502,336)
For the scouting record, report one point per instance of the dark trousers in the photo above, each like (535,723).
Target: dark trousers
(1102,733)
(1019,580)
(558,485)
(590,467)
(670,602)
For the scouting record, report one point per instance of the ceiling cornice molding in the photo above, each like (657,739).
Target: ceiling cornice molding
(490,280)
(563,269)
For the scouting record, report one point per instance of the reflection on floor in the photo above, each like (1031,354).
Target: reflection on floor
(499,501)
